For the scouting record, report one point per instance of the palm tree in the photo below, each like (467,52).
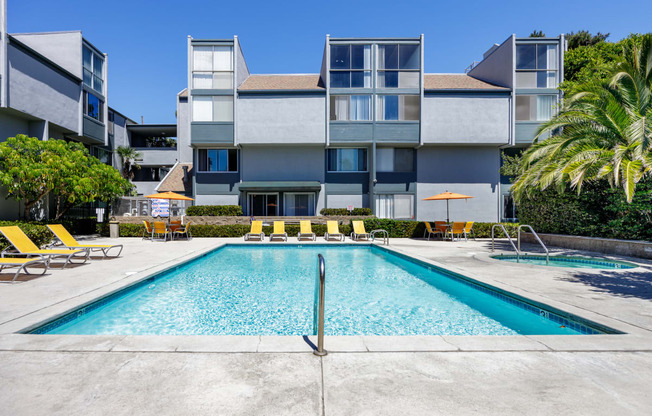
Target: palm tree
(128,156)
(604,131)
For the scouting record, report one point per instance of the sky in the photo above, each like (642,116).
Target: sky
(146,40)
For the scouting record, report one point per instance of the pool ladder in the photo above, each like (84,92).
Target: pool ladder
(318,316)
(517,247)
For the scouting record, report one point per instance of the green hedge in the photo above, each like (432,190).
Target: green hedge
(38,233)
(395,228)
(344,211)
(214,210)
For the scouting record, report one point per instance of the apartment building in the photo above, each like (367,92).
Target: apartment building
(371,129)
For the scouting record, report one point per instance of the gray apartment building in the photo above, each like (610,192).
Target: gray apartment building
(371,129)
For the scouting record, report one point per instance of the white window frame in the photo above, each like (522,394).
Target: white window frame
(412,205)
(212,71)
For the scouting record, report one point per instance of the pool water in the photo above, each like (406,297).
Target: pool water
(567,261)
(269,290)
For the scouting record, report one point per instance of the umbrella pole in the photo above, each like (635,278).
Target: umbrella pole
(447,216)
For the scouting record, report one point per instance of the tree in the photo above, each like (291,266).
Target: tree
(31,169)
(128,156)
(584,38)
(604,131)
(537,34)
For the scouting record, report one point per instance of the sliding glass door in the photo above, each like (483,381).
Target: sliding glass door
(299,204)
(263,204)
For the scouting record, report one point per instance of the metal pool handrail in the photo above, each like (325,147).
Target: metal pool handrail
(493,227)
(318,321)
(384,233)
(535,236)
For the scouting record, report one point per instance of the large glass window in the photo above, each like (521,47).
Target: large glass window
(299,204)
(212,67)
(398,107)
(394,206)
(212,108)
(536,66)
(218,160)
(394,160)
(350,107)
(347,160)
(93,64)
(398,66)
(535,107)
(93,106)
(350,66)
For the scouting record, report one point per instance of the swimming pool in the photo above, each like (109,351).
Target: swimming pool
(269,290)
(566,261)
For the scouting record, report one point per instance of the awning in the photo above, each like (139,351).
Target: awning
(280,186)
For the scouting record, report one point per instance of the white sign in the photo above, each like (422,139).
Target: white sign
(100,214)
(349,208)
(160,208)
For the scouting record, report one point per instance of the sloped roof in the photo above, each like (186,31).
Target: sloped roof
(282,83)
(457,82)
(174,180)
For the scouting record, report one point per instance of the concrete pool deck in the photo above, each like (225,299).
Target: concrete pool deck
(598,374)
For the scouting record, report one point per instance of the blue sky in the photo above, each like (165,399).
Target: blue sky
(146,40)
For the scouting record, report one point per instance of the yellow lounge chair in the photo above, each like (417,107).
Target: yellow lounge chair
(256,231)
(26,247)
(457,229)
(181,231)
(431,231)
(148,230)
(69,241)
(305,230)
(468,229)
(333,231)
(159,229)
(358,231)
(279,231)
(22,264)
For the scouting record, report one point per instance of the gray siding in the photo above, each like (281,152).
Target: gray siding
(498,67)
(120,136)
(465,118)
(358,132)
(211,133)
(63,48)
(282,163)
(42,91)
(217,200)
(183,130)
(471,171)
(93,130)
(399,132)
(524,131)
(291,118)
(157,157)
(217,183)
(11,125)
(242,72)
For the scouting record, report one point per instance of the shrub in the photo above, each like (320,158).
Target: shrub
(38,233)
(344,211)
(214,210)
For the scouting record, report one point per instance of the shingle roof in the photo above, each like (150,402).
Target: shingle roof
(457,82)
(281,82)
(174,180)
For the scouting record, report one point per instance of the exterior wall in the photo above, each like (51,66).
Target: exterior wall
(120,137)
(464,118)
(282,163)
(497,67)
(63,48)
(266,119)
(467,170)
(242,72)
(11,125)
(342,201)
(157,157)
(42,91)
(145,188)
(217,200)
(183,131)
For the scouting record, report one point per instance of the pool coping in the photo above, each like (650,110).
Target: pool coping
(633,339)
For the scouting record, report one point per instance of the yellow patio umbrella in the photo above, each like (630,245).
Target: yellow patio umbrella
(446,196)
(169,196)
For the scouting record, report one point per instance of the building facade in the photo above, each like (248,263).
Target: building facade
(370,130)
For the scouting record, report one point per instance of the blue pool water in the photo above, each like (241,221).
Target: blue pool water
(575,262)
(269,290)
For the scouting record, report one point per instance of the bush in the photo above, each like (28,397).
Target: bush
(214,210)
(38,233)
(344,211)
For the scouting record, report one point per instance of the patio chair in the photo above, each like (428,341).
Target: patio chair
(279,231)
(22,264)
(256,231)
(457,230)
(182,231)
(69,241)
(442,226)
(333,231)
(25,247)
(160,229)
(148,230)
(359,231)
(431,231)
(174,225)
(305,230)
(468,229)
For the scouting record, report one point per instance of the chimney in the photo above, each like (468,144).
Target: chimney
(186,175)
